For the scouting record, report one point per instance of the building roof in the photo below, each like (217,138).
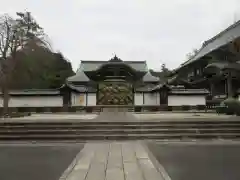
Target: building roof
(146,88)
(224,65)
(221,39)
(34,92)
(79,77)
(148,77)
(94,65)
(180,90)
(183,91)
(160,86)
(79,88)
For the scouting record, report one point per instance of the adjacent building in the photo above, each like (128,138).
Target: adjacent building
(216,66)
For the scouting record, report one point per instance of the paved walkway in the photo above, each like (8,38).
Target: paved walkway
(112,161)
(148,116)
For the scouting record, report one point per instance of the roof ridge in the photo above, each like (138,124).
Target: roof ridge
(206,43)
(102,61)
(220,33)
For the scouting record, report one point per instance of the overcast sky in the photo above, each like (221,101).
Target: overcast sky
(157,31)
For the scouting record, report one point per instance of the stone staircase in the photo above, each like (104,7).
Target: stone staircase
(119,130)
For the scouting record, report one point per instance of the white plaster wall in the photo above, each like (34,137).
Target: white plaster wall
(34,101)
(78,99)
(193,100)
(151,99)
(158,98)
(92,99)
(138,98)
(1,102)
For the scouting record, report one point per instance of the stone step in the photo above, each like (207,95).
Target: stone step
(83,130)
(80,126)
(117,122)
(116,131)
(79,137)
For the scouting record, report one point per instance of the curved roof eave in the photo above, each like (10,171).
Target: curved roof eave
(221,39)
(79,77)
(148,77)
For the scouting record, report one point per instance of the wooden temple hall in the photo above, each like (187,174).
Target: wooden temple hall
(216,66)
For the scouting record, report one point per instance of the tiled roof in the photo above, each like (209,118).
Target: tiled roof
(80,88)
(147,88)
(34,92)
(223,38)
(94,65)
(224,65)
(148,77)
(79,77)
(188,91)
(159,86)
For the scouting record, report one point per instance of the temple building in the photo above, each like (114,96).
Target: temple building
(216,66)
(113,82)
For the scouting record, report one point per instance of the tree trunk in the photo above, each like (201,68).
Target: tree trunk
(5,92)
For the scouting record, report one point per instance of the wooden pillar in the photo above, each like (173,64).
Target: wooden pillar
(211,89)
(229,85)
(86,94)
(143,99)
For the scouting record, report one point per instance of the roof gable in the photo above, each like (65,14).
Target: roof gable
(94,65)
(148,77)
(79,77)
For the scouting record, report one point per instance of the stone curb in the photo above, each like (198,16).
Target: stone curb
(155,162)
(70,168)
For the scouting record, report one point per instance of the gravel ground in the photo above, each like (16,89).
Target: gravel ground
(200,161)
(35,162)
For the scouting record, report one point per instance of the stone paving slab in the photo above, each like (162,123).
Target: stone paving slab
(114,161)
(139,117)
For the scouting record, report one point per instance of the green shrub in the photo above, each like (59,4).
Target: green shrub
(201,107)
(72,109)
(237,108)
(185,107)
(177,108)
(138,109)
(19,114)
(89,109)
(233,106)
(163,108)
(170,108)
(221,109)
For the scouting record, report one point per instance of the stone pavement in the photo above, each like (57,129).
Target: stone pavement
(112,161)
(148,116)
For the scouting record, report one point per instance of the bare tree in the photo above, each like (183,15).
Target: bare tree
(192,54)
(15,34)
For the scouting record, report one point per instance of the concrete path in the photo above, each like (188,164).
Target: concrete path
(112,161)
(88,117)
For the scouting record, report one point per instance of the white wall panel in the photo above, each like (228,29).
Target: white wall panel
(138,99)
(78,99)
(177,100)
(151,99)
(34,101)
(91,99)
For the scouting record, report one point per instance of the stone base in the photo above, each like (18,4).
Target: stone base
(115,114)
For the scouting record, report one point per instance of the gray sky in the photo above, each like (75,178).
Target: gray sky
(158,31)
